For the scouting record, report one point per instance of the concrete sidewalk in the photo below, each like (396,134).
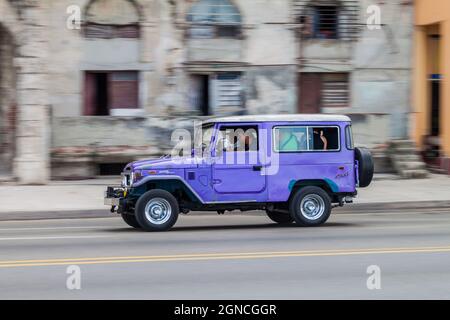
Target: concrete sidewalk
(85,198)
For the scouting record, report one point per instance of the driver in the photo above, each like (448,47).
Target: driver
(246,141)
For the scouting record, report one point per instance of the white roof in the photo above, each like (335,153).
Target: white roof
(283,118)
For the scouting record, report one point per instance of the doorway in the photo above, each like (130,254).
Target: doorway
(435,97)
(200,93)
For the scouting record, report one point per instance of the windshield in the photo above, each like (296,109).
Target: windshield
(203,137)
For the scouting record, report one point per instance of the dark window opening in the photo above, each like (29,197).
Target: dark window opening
(435,106)
(204,95)
(110,169)
(199,91)
(101,94)
(325,22)
(228,31)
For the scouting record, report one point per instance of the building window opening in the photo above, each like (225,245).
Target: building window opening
(323,90)
(217,93)
(110,93)
(325,24)
(214,19)
(199,91)
(101,94)
(109,19)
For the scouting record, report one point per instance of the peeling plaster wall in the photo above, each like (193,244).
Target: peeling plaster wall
(271,90)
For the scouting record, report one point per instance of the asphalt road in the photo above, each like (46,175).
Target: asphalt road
(229,257)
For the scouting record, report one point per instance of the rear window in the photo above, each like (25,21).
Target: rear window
(349,138)
(305,138)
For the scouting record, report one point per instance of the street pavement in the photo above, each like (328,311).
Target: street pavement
(232,256)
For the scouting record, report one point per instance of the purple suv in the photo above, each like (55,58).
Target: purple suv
(294,167)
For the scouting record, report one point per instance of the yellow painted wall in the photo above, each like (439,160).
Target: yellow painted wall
(431,14)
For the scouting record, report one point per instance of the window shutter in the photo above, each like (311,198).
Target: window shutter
(228,93)
(129,31)
(104,31)
(124,90)
(335,90)
(89,94)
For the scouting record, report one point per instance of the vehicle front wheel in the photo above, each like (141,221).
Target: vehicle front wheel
(310,206)
(279,217)
(156,210)
(131,221)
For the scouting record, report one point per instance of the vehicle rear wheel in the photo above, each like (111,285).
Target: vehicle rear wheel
(279,217)
(310,206)
(131,221)
(157,210)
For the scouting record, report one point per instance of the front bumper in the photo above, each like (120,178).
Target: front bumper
(115,197)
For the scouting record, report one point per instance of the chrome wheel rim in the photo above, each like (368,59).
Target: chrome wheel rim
(158,211)
(312,206)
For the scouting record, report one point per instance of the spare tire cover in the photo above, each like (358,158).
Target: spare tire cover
(365,166)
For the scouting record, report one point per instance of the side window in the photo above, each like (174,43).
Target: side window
(349,138)
(238,138)
(324,138)
(288,139)
(306,138)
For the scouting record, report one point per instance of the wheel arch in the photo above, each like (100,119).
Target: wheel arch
(172,184)
(326,184)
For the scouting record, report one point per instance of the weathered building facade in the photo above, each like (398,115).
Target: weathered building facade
(81,101)
(430,127)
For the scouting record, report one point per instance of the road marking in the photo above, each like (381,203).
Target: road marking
(51,238)
(219,256)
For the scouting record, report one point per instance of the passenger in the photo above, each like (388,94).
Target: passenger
(287,141)
(320,141)
(246,142)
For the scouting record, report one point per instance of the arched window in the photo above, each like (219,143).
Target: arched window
(213,19)
(111,19)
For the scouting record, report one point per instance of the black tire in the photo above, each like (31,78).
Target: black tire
(279,217)
(315,195)
(160,200)
(365,166)
(131,221)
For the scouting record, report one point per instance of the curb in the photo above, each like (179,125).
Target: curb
(356,208)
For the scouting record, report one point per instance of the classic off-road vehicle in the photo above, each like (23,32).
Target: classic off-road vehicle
(294,167)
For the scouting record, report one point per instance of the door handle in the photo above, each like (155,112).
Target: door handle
(257,168)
